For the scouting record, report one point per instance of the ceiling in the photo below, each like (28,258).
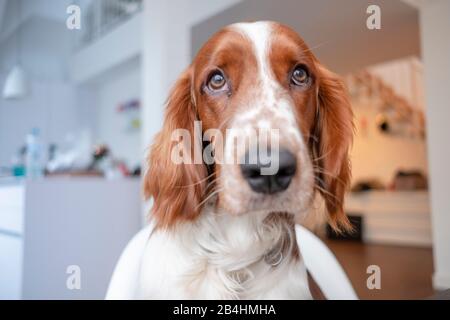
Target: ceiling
(11,19)
(335,29)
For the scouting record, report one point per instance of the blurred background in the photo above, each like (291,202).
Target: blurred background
(80,106)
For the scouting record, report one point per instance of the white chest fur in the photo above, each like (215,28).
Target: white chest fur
(223,257)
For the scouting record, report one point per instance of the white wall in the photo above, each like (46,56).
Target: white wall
(44,46)
(51,107)
(120,86)
(110,67)
(376,155)
(121,44)
(53,104)
(405,77)
(435,25)
(379,155)
(70,93)
(54,107)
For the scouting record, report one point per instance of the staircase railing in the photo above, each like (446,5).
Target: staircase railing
(100,17)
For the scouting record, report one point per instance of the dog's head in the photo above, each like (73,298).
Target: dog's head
(277,124)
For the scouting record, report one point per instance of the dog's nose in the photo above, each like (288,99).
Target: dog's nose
(268,182)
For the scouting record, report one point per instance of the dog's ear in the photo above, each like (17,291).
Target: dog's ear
(177,188)
(333,134)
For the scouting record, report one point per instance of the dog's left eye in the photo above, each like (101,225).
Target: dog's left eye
(217,82)
(300,76)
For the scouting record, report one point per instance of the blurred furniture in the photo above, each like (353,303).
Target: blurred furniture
(409,181)
(48,225)
(393,217)
(356,233)
(320,262)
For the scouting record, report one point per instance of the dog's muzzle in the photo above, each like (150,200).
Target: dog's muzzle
(269,181)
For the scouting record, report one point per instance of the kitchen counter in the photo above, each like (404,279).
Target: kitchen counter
(393,217)
(49,225)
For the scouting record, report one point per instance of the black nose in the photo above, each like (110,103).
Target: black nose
(269,182)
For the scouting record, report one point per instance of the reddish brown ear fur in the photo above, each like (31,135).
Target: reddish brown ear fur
(335,135)
(177,189)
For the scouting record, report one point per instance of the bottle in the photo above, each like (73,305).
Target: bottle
(18,165)
(34,155)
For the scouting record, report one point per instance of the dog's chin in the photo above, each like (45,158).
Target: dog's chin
(262,209)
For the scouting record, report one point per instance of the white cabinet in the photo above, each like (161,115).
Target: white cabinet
(393,217)
(48,225)
(11,239)
(12,200)
(10,266)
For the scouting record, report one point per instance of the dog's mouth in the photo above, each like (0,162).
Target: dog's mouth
(260,204)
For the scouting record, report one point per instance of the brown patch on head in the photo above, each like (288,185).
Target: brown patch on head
(231,53)
(288,50)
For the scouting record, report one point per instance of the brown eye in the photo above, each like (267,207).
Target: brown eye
(217,82)
(300,76)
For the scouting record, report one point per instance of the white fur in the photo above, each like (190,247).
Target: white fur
(219,257)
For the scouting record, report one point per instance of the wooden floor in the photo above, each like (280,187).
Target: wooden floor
(405,271)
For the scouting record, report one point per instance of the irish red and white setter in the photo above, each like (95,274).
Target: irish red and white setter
(225,229)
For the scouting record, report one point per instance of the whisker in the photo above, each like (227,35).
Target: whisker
(211,183)
(213,193)
(327,173)
(198,182)
(322,156)
(312,137)
(317,46)
(326,191)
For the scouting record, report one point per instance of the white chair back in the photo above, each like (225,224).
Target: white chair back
(124,280)
(323,266)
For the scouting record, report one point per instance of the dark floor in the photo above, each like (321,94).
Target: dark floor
(405,271)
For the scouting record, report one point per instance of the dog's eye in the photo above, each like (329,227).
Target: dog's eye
(217,82)
(300,76)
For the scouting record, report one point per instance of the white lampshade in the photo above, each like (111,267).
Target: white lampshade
(16,85)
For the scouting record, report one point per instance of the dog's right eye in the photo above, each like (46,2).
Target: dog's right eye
(300,76)
(217,82)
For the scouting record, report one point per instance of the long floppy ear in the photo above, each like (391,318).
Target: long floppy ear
(177,189)
(334,135)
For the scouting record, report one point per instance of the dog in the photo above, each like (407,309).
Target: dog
(226,230)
